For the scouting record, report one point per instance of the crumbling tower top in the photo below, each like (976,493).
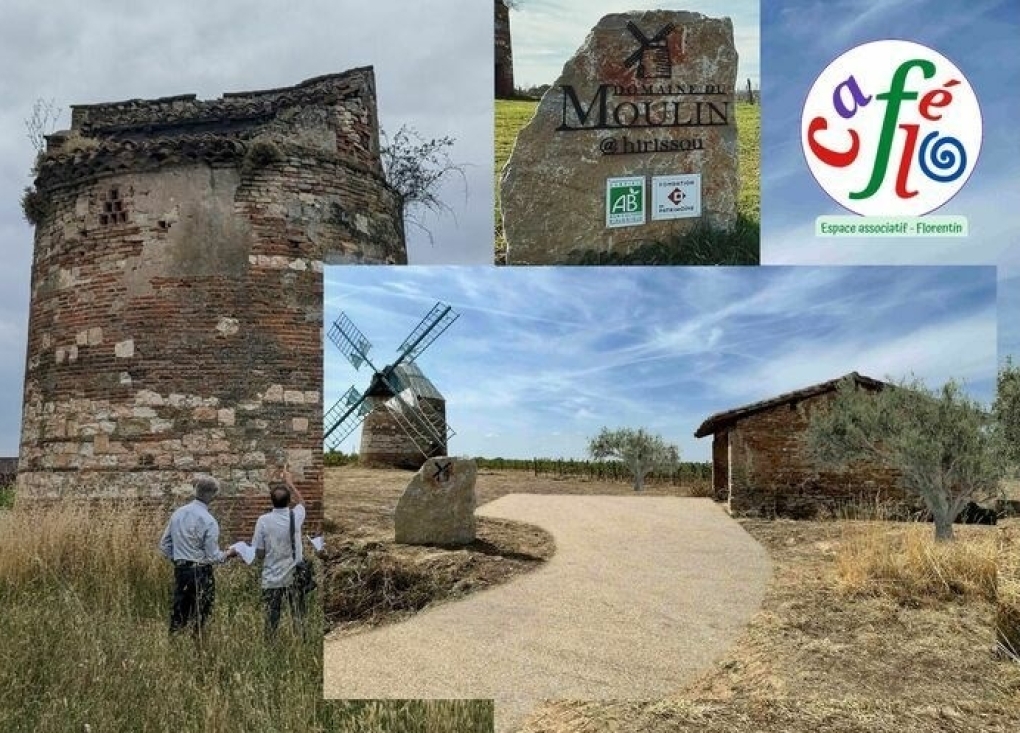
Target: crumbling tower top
(327,122)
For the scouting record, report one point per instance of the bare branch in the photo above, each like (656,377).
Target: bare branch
(43,121)
(416,168)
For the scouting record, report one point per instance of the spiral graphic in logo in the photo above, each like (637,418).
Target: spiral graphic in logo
(945,153)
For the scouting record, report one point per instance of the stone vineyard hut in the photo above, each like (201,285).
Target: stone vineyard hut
(176,300)
(759,463)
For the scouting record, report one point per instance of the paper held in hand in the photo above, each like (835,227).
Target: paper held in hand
(246,551)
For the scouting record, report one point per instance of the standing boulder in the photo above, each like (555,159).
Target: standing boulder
(438,506)
(635,143)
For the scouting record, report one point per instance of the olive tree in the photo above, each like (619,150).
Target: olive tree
(1007,417)
(640,451)
(940,442)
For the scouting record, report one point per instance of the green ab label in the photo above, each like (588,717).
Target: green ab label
(625,201)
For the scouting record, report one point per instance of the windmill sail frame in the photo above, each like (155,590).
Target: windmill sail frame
(425,428)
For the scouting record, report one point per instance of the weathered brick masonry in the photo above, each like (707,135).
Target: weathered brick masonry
(176,315)
(759,463)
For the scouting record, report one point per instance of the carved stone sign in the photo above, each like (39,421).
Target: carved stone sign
(648,95)
(438,506)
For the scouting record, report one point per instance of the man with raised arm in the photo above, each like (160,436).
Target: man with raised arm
(277,541)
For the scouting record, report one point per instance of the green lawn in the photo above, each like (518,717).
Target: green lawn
(701,248)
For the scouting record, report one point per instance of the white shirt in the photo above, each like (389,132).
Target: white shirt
(192,534)
(272,536)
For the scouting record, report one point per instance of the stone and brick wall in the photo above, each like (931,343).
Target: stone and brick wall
(503,52)
(176,301)
(720,466)
(770,473)
(385,444)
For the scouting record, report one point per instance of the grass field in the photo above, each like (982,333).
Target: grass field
(867,627)
(738,248)
(84,599)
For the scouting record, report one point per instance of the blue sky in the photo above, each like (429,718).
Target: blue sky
(1009,313)
(801,37)
(541,358)
(546,33)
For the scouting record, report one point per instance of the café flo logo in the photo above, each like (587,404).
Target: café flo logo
(652,102)
(892,129)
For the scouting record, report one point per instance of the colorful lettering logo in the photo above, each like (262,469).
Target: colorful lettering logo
(891,128)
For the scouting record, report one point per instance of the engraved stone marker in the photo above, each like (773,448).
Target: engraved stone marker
(648,96)
(438,506)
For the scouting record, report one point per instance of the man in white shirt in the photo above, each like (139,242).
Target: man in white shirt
(277,541)
(191,542)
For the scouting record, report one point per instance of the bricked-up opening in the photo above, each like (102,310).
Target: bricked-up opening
(190,340)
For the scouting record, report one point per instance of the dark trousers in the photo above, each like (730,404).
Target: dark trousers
(273,598)
(194,595)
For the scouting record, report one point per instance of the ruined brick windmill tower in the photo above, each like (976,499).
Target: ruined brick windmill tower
(503,52)
(404,414)
(176,308)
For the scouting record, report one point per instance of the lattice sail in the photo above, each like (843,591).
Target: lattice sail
(424,427)
(344,417)
(437,320)
(350,341)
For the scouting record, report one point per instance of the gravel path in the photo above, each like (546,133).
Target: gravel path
(642,594)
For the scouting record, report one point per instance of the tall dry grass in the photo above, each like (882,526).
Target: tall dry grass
(84,599)
(905,562)
(1007,604)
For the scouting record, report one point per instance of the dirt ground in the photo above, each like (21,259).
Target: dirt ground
(812,659)
(371,580)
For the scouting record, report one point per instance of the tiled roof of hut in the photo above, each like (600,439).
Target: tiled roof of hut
(724,419)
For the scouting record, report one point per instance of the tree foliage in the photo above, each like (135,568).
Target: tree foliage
(640,451)
(1007,417)
(416,168)
(941,442)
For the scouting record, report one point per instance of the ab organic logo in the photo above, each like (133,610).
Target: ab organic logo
(625,201)
(891,128)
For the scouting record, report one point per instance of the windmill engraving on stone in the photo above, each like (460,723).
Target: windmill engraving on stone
(404,415)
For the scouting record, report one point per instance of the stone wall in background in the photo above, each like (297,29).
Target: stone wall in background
(504,55)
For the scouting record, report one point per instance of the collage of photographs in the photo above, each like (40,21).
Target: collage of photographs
(554,366)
